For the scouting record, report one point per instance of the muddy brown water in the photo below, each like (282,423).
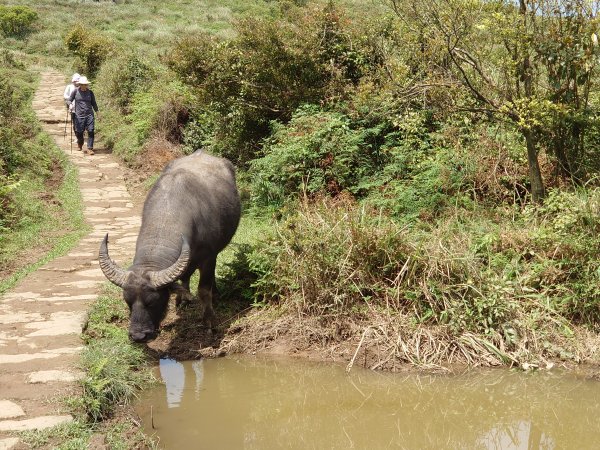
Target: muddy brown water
(257,403)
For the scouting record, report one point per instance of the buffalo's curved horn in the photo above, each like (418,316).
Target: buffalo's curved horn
(170,274)
(114,273)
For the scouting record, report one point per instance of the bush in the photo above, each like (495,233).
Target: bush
(331,259)
(317,152)
(122,77)
(267,71)
(565,252)
(161,110)
(157,113)
(11,151)
(90,46)
(16,20)
(405,168)
(467,272)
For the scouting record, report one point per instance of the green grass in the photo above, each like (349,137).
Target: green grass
(115,368)
(77,435)
(147,25)
(73,435)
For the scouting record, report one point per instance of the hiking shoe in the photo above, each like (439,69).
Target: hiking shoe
(89,151)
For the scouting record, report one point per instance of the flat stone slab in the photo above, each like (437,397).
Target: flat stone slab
(94,273)
(37,423)
(10,410)
(8,443)
(82,284)
(21,296)
(46,376)
(20,317)
(59,323)
(45,354)
(69,298)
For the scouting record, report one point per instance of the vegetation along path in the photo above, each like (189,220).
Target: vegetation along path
(41,319)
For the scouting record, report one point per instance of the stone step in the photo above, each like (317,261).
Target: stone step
(9,443)
(35,423)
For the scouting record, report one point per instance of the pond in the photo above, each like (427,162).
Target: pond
(258,403)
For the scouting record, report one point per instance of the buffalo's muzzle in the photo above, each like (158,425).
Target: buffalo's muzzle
(142,336)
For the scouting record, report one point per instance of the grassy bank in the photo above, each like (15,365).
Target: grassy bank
(474,288)
(39,192)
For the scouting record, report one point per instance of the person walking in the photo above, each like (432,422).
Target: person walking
(69,89)
(85,105)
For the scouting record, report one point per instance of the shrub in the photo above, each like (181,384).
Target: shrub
(564,234)
(11,151)
(345,260)
(122,77)
(161,110)
(90,46)
(158,113)
(317,152)
(267,71)
(8,59)
(16,20)
(466,271)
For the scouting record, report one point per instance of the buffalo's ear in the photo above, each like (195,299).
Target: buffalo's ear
(110,269)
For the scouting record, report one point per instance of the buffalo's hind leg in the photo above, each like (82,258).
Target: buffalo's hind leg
(205,291)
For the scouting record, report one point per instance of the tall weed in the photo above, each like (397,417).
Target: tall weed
(468,271)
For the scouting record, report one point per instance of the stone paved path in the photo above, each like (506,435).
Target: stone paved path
(41,318)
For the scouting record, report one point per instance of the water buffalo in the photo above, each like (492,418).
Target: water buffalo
(189,216)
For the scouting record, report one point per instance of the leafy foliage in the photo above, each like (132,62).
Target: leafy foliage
(267,71)
(317,152)
(90,46)
(17,20)
(484,276)
(120,78)
(19,147)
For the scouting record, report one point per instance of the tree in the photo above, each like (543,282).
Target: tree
(528,62)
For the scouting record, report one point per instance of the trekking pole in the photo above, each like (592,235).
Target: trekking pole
(71,127)
(66,120)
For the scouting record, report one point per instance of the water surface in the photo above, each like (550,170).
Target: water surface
(248,403)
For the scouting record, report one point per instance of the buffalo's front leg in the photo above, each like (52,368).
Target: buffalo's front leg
(205,291)
(183,295)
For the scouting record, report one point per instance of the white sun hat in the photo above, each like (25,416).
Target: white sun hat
(75,77)
(83,80)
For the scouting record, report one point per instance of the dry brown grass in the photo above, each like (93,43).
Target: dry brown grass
(156,154)
(394,343)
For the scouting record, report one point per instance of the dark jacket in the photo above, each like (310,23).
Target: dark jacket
(85,102)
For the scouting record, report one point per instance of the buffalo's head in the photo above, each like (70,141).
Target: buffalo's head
(146,293)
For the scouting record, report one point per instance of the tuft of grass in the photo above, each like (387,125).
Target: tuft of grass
(78,435)
(71,435)
(115,369)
